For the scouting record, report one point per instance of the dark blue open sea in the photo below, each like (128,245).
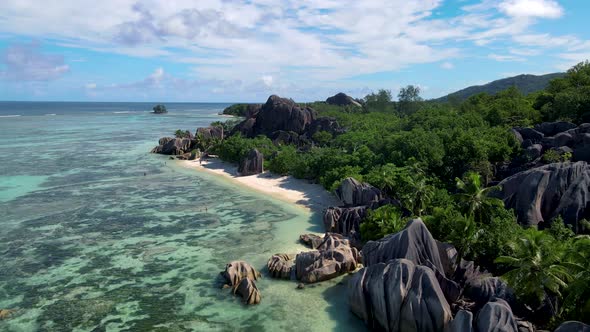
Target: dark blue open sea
(88,243)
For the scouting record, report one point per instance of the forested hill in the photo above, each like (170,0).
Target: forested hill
(525,83)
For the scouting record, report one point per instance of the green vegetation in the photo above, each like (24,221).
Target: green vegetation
(182,133)
(385,220)
(237,110)
(567,98)
(437,159)
(526,84)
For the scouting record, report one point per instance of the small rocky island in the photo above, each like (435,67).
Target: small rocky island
(160,109)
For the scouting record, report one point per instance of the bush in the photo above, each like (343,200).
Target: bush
(284,160)
(378,223)
(182,133)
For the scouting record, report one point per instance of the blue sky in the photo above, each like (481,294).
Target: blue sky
(230,51)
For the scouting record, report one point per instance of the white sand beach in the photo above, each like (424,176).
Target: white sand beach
(286,188)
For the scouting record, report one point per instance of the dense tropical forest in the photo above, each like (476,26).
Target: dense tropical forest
(442,161)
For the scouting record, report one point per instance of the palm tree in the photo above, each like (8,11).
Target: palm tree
(538,272)
(475,200)
(577,302)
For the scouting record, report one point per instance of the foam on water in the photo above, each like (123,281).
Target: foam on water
(90,243)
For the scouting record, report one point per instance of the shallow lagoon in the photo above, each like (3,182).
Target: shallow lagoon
(90,243)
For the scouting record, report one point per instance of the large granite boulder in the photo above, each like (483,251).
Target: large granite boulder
(540,194)
(341,99)
(212,132)
(248,291)
(235,271)
(173,146)
(484,288)
(283,114)
(281,266)
(354,193)
(529,133)
(573,326)
(463,322)
(251,164)
(333,257)
(281,137)
(311,240)
(399,296)
(345,221)
(240,276)
(414,243)
(245,128)
(554,128)
(277,114)
(496,315)
(326,124)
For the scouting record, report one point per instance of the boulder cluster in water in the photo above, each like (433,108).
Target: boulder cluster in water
(408,281)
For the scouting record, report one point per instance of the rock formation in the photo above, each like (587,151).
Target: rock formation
(341,99)
(281,266)
(251,164)
(160,109)
(277,114)
(174,146)
(354,193)
(235,271)
(414,243)
(215,132)
(345,221)
(333,257)
(573,326)
(540,194)
(240,276)
(399,296)
(248,291)
(496,315)
(311,240)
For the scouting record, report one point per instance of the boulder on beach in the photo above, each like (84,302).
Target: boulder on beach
(399,296)
(540,194)
(173,146)
(354,193)
(333,257)
(251,164)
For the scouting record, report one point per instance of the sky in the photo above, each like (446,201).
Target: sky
(246,50)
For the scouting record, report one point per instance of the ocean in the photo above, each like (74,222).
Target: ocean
(97,234)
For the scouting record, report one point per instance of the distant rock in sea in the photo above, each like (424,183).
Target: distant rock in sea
(160,109)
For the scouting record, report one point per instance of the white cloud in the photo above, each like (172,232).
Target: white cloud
(26,62)
(264,44)
(531,8)
(505,58)
(447,65)
(90,86)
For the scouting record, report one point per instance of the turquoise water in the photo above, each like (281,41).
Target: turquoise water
(90,243)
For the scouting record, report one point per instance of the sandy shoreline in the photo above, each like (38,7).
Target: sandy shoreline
(286,188)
